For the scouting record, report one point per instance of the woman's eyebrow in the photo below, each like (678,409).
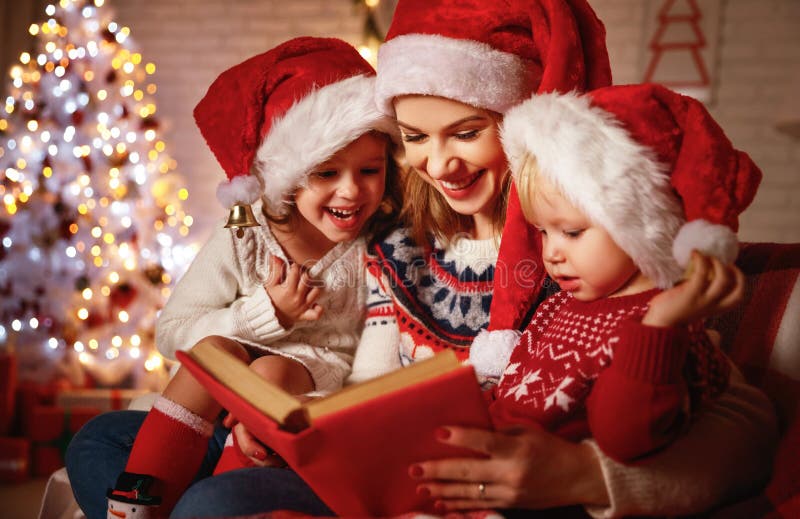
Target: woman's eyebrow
(454,124)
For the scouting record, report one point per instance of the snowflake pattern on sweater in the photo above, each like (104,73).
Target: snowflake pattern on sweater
(423,300)
(567,346)
(559,356)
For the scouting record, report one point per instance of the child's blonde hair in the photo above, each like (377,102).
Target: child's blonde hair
(525,179)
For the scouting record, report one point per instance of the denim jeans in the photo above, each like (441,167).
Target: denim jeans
(99,451)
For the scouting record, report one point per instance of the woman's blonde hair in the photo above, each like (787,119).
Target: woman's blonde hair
(428,216)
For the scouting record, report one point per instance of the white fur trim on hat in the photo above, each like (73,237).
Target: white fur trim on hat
(707,238)
(243,189)
(465,70)
(604,172)
(314,129)
(490,351)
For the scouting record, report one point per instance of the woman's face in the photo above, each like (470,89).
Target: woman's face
(456,149)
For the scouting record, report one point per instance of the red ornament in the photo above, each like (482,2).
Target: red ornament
(122,295)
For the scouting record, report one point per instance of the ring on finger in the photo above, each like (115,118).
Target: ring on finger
(482,490)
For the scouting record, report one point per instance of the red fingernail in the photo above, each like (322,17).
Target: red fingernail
(415,471)
(423,492)
(442,433)
(260,455)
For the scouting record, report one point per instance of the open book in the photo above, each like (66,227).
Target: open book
(354,447)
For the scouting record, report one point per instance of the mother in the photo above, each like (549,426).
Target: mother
(448,71)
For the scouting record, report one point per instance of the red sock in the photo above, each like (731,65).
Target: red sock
(232,457)
(170,446)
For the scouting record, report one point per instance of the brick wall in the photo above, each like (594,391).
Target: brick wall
(757,81)
(757,75)
(192,41)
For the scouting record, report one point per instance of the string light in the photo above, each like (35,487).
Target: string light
(79,149)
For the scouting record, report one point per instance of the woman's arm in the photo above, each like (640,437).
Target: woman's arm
(378,349)
(726,455)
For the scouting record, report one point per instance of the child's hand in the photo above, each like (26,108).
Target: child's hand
(293,293)
(259,454)
(710,289)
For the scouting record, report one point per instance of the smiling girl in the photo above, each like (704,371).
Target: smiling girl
(287,295)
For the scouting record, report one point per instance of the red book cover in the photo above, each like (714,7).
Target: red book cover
(356,459)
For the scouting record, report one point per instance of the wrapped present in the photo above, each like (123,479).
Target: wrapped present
(46,460)
(8,390)
(55,425)
(31,395)
(50,429)
(15,455)
(102,399)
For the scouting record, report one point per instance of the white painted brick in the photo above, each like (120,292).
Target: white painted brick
(192,41)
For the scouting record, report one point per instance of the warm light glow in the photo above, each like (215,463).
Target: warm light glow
(87,293)
(83,314)
(116,341)
(123,316)
(153,362)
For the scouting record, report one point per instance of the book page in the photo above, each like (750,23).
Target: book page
(238,377)
(419,371)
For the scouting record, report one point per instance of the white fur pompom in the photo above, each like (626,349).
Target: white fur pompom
(244,189)
(708,239)
(491,350)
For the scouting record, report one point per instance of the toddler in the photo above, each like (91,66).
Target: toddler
(623,184)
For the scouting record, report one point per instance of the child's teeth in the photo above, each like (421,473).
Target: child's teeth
(342,213)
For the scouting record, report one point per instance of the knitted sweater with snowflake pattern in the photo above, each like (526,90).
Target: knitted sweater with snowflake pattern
(423,300)
(591,369)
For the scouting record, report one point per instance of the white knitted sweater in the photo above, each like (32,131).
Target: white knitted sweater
(222,293)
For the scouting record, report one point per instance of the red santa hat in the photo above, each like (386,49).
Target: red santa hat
(491,55)
(281,113)
(649,165)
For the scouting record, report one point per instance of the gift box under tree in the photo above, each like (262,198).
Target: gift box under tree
(50,430)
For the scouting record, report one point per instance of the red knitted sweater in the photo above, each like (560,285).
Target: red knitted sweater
(592,369)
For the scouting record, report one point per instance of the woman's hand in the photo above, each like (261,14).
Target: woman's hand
(529,469)
(258,454)
(711,288)
(293,293)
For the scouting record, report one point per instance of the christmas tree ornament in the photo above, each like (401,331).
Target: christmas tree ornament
(79,155)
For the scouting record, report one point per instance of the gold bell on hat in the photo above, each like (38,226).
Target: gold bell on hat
(241,216)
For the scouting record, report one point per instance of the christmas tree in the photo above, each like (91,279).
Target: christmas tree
(677,44)
(93,230)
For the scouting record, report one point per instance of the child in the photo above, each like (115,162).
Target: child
(299,137)
(623,185)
